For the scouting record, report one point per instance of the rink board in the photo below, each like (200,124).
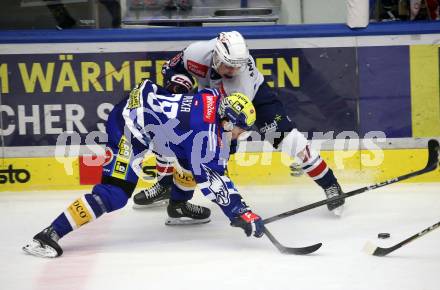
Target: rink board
(391,89)
(329,78)
(351,166)
(334,82)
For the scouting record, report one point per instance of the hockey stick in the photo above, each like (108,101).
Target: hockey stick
(372,249)
(291,251)
(433,152)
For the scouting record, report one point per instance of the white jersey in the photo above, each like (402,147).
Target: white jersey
(197,59)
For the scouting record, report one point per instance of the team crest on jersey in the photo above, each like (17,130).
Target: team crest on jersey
(209,108)
(217,186)
(196,68)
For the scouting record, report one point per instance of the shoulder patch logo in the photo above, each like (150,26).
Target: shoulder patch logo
(209,107)
(198,69)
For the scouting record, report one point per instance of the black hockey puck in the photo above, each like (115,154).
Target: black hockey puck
(383,235)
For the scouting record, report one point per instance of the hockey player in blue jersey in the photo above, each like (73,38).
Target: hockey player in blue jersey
(195,130)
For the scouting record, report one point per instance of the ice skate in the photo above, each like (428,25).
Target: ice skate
(185,213)
(44,244)
(157,195)
(336,207)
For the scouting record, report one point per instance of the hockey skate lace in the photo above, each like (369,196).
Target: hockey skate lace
(194,208)
(153,191)
(332,191)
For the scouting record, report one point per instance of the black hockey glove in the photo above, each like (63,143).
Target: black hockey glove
(179,84)
(250,222)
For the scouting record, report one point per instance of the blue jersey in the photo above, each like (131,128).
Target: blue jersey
(175,123)
(187,128)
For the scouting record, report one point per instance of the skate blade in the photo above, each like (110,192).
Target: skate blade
(185,221)
(161,203)
(36,249)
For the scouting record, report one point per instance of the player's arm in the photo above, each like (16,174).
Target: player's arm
(176,78)
(217,187)
(208,158)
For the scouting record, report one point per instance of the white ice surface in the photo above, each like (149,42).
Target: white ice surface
(133,249)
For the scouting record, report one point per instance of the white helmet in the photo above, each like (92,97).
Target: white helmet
(230,49)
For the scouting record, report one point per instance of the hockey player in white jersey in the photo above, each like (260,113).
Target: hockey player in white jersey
(224,63)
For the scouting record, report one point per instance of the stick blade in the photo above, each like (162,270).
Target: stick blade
(372,249)
(302,251)
(290,250)
(369,248)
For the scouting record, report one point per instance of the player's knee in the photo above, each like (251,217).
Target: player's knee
(284,128)
(294,143)
(126,186)
(113,197)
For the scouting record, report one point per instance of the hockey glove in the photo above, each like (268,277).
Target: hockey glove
(251,224)
(179,84)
